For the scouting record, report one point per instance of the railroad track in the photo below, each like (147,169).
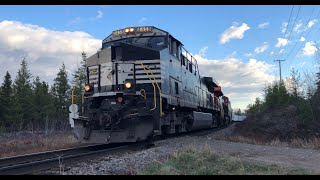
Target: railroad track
(33,163)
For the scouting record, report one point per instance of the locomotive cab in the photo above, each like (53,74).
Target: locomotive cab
(120,77)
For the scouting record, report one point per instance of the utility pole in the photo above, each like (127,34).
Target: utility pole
(280,67)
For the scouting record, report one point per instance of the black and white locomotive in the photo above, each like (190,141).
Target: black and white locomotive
(143,83)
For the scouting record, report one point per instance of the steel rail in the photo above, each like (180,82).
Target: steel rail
(32,163)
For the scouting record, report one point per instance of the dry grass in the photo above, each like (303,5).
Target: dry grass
(18,145)
(312,143)
(206,162)
(233,134)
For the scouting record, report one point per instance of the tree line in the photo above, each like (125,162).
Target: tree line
(304,95)
(28,103)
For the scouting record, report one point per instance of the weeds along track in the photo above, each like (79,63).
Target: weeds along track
(33,163)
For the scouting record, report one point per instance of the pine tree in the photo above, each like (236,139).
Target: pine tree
(6,101)
(61,95)
(309,94)
(316,96)
(282,95)
(23,96)
(268,96)
(42,104)
(79,80)
(294,83)
(318,83)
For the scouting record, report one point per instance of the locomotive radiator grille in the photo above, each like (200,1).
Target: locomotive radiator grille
(141,76)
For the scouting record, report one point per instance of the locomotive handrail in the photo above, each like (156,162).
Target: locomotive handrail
(154,89)
(191,57)
(144,93)
(158,89)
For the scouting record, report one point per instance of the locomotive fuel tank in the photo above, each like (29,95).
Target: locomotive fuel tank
(201,120)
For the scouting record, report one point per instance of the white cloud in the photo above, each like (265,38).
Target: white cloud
(309,49)
(297,28)
(143,19)
(233,32)
(311,23)
(263,25)
(241,81)
(203,51)
(262,48)
(284,27)
(45,49)
(302,39)
(282,42)
(99,15)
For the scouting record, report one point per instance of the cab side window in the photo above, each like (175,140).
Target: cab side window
(174,48)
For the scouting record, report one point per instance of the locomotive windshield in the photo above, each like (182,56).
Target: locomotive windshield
(154,42)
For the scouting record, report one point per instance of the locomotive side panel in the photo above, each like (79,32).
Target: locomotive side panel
(175,80)
(165,73)
(190,91)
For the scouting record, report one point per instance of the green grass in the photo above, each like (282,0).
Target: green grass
(205,162)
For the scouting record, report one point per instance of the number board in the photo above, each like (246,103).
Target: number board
(144,29)
(132,30)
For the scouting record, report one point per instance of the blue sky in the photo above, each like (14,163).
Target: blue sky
(230,35)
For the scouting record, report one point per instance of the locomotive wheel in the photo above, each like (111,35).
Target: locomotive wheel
(150,142)
(178,129)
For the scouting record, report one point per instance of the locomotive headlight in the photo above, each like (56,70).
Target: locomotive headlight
(126,30)
(128,85)
(131,29)
(87,88)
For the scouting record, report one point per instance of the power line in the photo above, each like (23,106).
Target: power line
(306,31)
(306,37)
(289,21)
(267,54)
(300,35)
(295,20)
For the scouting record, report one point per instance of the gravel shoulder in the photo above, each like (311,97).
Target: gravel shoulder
(133,162)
